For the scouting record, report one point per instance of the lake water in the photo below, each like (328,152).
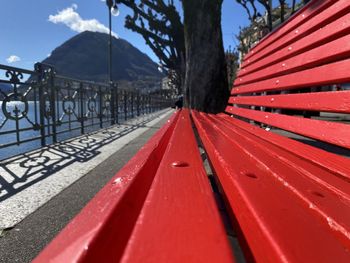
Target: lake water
(24,123)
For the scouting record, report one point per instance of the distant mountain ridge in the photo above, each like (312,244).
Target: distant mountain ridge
(85,56)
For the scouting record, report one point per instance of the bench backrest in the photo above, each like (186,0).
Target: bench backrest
(301,68)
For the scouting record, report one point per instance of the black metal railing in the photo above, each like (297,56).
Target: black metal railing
(41,106)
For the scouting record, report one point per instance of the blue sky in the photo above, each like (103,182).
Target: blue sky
(31,29)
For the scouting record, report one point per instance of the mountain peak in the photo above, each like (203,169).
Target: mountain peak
(85,56)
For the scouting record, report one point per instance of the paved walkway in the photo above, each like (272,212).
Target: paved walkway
(49,186)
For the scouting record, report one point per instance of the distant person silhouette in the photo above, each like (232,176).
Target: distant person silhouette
(179,103)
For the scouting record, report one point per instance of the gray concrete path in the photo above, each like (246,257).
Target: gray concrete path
(59,197)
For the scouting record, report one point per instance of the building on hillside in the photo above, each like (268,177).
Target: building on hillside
(251,35)
(166,84)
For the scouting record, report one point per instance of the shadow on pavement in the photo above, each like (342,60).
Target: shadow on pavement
(19,173)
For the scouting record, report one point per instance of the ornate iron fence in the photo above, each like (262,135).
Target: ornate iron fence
(42,106)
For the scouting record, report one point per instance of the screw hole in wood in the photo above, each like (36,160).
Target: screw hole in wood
(251,175)
(318,194)
(180,164)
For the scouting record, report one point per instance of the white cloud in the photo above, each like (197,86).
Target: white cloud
(13,59)
(75,22)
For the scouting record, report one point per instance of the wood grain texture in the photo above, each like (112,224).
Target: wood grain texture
(284,213)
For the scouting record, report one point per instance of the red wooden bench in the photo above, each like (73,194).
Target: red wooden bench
(288,200)
(158,208)
(291,201)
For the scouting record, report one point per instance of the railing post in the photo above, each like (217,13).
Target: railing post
(81,97)
(100,115)
(132,105)
(112,103)
(52,103)
(116,102)
(150,104)
(147,104)
(138,104)
(143,104)
(125,104)
(39,69)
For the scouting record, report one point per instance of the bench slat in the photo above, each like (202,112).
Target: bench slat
(339,166)
(291,200)
(277,64)
(301,176)
(336,101)
(330,132)
(323,18)
(275,217)
(329,74)
(304,14)
(100,232)
(308,177)
(179,221)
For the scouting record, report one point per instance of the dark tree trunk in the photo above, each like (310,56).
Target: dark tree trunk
(269,19)
(293,6)
(267,5)
(206,78)
(282,3)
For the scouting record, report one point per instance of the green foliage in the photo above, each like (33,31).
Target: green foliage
(232,61)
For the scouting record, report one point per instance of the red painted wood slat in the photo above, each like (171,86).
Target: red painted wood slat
(100,232)
(179,221)
(302,177)
(328,74)
(338,101)
(330,132)
(325,17)
(308,11)
(339,166)
(331,51)
(282,229)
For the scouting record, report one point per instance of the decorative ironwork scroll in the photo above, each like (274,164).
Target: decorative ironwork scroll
(41,106)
